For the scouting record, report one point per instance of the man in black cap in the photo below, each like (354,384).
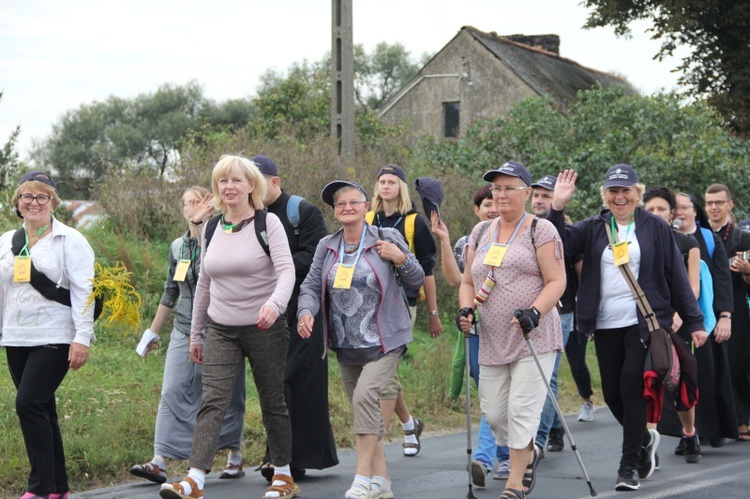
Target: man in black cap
(306,376)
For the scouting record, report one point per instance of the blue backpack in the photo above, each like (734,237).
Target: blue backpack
(292,212)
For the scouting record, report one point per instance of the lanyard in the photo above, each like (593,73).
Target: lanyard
(359,250)
(394,225)
(614,232)
(225,226)
(195,251)
(513,236)
(26,237)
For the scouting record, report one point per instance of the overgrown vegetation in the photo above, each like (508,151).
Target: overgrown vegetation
(114,398)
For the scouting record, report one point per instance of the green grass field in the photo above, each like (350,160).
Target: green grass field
(107,410)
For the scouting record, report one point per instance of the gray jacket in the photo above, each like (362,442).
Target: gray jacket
(392,315)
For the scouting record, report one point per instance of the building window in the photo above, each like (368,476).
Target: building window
(451,111)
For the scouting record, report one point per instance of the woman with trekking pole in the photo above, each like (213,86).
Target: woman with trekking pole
(515,262)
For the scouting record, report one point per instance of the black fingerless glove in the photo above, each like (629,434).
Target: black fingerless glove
(465,312)
(528,319)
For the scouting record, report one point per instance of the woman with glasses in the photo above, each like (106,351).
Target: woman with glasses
(182,384)
(515,274)
(238,313)
(42,338)
(356,278)
(716,417)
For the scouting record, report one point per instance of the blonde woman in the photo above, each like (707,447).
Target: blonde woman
(182,384)
(240,300)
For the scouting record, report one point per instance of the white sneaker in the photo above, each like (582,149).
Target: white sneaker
(381,489)
(357,491)
(587,412)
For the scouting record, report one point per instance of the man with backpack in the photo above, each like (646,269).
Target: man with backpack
(306,374)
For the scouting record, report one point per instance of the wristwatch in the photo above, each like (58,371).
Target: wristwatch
(433,312)
(725,316)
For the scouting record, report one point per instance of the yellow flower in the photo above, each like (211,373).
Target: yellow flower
(122,303)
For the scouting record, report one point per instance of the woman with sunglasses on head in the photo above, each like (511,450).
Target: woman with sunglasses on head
(353,279)
(43,338)
(182,385)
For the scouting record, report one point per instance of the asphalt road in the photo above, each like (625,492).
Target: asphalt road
(438,472)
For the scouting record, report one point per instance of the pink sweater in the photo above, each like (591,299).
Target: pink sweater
(237,278)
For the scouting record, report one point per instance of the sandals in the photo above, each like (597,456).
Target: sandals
(512,494)
(232,471)
(266,469)
(743,436)
(529,476)
(176,490)
(149,471)
(417,432)
(289,489)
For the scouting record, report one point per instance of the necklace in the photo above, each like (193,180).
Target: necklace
(350,247)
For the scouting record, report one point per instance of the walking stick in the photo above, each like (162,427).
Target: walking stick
(465,312)
(552,397)
(469,451)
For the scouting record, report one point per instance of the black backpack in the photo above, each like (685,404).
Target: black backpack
(260,229)
(43,284)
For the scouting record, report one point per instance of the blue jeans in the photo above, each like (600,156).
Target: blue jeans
(549,416)
(487,449)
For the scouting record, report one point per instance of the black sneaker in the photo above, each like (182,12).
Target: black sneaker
(646,463)
(556,442)
(717,442)
(627,479)
(680,449)
(656,461)
(692,449)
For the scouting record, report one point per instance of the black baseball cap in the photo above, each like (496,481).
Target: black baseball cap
(512,168)
(39,176)
(393,169)
(330,189)
(547,182)
(265,165)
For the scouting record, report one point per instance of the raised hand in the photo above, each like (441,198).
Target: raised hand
(564,189)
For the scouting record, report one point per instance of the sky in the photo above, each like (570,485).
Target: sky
(57,55)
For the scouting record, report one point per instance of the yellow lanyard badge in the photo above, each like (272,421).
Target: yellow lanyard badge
(181,271)
(343,278)
(620,249)
(22,268)
(495,255)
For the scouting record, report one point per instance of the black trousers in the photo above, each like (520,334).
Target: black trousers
(575,351)
(37,372)
(621,356)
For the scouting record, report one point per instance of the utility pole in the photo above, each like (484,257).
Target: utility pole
(342,77)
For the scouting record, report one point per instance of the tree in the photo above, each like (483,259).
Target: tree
(718,31)
(8,157)
(382,72)
(681,146)
(142,133)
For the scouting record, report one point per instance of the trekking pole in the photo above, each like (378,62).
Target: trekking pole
(552,397)
(467,375)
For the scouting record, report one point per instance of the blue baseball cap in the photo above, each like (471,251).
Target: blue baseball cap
(547,182)
(621,175)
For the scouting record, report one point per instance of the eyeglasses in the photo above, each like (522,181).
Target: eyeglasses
(41,199)
(497,189)
(683,207)
(354,204)
(718,203)
(191,202)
